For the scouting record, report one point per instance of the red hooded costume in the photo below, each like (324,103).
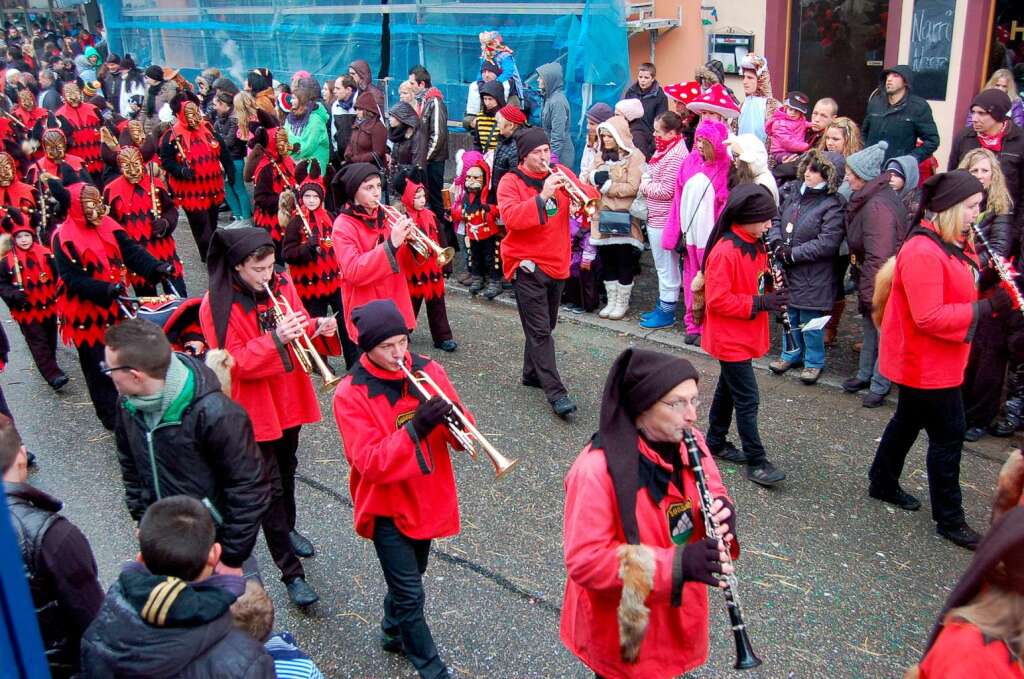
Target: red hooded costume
(19,195)
(29,118)
(273,174)
(205,188)
(473,210)
(81,125)
(310,255)
(424,275)
(131,205)
(33,272)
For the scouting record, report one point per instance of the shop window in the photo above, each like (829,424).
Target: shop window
(836,50)
(1006,50)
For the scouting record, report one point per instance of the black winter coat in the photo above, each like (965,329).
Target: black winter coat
(876,223)
(654,99)
(818,217)
(901,125)
(643,138)
(121,644)
(506,159)
(210,452)
(1011,160)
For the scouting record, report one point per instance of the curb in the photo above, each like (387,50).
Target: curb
(996,453)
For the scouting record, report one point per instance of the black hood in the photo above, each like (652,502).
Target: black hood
(494,89)
(903,70)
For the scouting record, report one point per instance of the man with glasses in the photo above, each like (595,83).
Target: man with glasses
(178,434)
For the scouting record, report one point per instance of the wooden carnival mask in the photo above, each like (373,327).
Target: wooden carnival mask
(284,147)
(129,160)
(137,132)
(193,117)
(72,95)
(6,169)
(54,145)
(26,99)
(92,205)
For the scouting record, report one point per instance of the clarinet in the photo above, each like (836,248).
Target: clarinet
(1000,265)
(779,279)
(745,657)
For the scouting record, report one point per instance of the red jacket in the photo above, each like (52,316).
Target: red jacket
(677,638)
(931,315)
(960,651)
(532,233)
(736,272)
(369,269)
(480,217)
(423,274)
(393,473)
(267,380)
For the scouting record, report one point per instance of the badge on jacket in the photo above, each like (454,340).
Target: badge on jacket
(680,521)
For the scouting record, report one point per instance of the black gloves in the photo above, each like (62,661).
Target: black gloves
(116,290)
(988,278)
(164,270)
(160,227)
(600,177)
(19,300)
(773,301)
(784,253)
(1001,301)
(430,414)
(699,561)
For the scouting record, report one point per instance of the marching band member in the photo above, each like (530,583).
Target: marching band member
(238,316)
(309,252)
(142,205)
(192,158)
(93,254)
(366,242)
(30,286)
(535,254)
(274,175)
(80,122)
(401,479)
(736,325)
(638,559)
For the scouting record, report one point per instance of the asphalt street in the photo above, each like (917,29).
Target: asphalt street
(833,584)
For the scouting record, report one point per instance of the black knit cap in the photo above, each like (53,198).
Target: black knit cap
(943,191)
(228,248)
(377,321)
(155,72)
(993,101)
(530,138)
(997,561)
(637,380)
(353,176)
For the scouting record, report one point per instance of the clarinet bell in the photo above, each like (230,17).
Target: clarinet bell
(745,657)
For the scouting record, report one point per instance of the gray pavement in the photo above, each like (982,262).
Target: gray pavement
(833,584)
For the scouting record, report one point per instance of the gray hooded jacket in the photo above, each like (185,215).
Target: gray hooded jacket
(555,114)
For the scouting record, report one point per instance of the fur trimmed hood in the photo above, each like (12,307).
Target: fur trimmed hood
(833,167)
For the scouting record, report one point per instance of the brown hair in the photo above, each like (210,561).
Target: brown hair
(851,135)
(998,613)
(10,443)
(997,198)
(253,612)
(1003,74)
(141,345)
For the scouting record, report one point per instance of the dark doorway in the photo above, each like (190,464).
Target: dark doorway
(837,51)
(1007,47)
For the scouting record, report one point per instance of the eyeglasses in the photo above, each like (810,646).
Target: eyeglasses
(106,369)
(678,405)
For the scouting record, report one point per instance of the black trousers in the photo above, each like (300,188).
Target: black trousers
(203,223)
(280,462)
(537,299)
(175,286)
(582,290)
(482,258)
(41,339)
(986,371)
(101,388)
(940,412)
(736,390)
(437,318)
(404,561)
(619,263)
(319,307)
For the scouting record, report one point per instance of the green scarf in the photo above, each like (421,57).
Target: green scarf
(153,407)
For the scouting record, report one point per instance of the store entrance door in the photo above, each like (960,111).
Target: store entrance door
(837,50)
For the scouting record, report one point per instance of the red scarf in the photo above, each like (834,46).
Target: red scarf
(663,146)
(993,143)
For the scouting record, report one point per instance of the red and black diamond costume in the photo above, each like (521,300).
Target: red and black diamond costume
(131,206)
(424,274)
(273,174)
(29,118)
(191,157)
(312,264)
(81,125)
(93,261)
(30,287)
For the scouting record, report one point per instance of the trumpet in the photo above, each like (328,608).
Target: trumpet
(460,426)
(305,353)
(581,205)
(419,241)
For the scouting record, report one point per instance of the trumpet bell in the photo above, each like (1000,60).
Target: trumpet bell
(445,255)
(502,465)
(329,382)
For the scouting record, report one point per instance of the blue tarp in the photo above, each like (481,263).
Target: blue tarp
(588,38)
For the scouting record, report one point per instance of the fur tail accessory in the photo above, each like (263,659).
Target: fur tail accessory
(221,363)
(636,568)
(1010,486)
(883,288)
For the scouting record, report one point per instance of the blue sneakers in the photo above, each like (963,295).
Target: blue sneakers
(658,319)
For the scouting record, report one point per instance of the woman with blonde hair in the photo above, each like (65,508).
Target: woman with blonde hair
(842,136)
(929,310)
(1002,79)
(986,367)
(245,113)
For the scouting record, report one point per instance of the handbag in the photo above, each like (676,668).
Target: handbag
(639,208)
(612,223)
